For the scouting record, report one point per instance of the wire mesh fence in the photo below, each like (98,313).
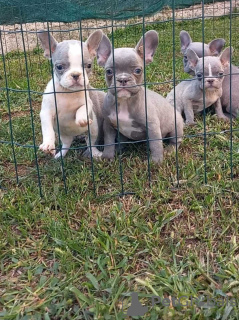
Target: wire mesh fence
(208,152)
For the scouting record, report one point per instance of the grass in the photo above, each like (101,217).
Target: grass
(78,255)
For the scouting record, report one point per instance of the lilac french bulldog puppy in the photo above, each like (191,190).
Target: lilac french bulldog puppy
(190,95)
(126,66)
(74,113)
(213,49)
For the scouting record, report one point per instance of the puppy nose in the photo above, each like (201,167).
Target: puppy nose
(75,76)
(123,81)
(210,80)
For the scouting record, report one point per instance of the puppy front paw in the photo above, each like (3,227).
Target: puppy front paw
(224,118)
(48,148)
(190,123)
(157,159)
(108,156)
(83,122)
(97,154)
(58,155)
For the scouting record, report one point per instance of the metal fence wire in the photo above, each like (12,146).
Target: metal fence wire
(209,149)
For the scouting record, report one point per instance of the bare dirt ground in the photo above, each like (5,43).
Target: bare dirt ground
(13,39)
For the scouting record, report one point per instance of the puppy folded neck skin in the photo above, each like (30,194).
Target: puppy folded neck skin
(230,92)
(124,104)
(74,106)
(208,82)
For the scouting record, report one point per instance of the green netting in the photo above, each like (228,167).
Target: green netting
(23,11)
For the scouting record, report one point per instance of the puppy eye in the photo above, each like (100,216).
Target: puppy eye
(109,72)
(89,65)
(137,71)
(185,58)
(199,76)
(59,67)
(221,74)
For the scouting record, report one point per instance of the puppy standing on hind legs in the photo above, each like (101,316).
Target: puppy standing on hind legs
(128,69)
(75,114)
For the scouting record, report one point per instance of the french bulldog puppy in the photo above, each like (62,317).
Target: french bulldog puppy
(124,67)
(189,94)
(213,49)
(75,114)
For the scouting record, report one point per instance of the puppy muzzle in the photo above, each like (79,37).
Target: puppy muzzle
(211,84)
(74,81)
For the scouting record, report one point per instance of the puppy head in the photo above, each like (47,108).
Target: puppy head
(127,64)
(212,49)
(213,71)
(66,58)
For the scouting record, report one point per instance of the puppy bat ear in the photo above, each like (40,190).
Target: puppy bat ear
(192,58)
(151,41)
(48,43)
(104,50)
(225,56)
(216,45)
(93,42)
(185,40)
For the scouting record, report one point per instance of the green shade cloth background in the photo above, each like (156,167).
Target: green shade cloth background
(24,11)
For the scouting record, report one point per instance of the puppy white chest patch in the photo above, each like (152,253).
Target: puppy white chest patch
(67,105)
(125,122)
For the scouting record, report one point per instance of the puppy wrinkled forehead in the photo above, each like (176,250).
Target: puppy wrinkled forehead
(124,58)
(212,64)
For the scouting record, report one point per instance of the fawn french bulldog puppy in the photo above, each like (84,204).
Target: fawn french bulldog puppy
(74,112)
(214,48)
(189,94)
(126,67)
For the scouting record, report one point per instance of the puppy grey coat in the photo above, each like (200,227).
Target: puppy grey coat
(127,100)
(189,95)
(214,49)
